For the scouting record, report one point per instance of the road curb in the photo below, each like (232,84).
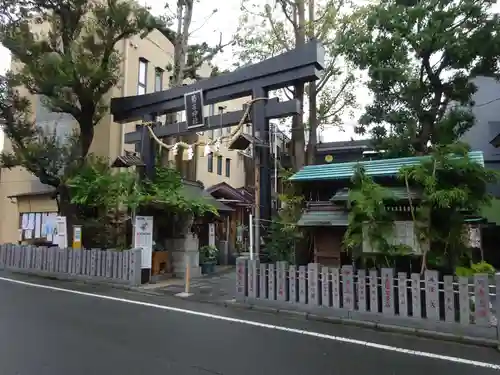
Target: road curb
(370,325)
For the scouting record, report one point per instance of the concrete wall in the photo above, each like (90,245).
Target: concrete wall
(487,112)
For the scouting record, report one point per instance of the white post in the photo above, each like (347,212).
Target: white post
(250,221)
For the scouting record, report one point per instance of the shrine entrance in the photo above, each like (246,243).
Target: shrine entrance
(300,65)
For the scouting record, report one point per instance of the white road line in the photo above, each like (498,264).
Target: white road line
(345,340)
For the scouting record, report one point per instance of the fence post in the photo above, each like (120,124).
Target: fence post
(302,285)
(431,295)
(271,282)
(134,266)
(292,283)
(326,288)
(241,278)
(361,289)
(449,299)
(481,300)
(336,288)
(374,291)
(402,294)
(347,287)
(253,281)
(312,283)
(387,277)
(497,306)
(281,280)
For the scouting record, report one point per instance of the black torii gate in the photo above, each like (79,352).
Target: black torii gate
(296,66)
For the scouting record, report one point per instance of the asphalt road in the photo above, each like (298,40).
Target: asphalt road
(97,330)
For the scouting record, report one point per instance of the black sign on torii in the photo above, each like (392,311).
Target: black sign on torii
(299,65)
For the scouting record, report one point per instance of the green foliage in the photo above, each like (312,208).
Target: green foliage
(208,254)
(100,186)
(475,268)
(369,219)
(71,65)
(284,234)
(420,62)
(452,187)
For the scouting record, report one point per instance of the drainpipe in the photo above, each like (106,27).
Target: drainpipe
(124,91)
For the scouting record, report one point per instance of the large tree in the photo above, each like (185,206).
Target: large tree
(64,52)
(287,24)
(421,61)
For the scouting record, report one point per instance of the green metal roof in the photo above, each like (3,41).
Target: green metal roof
(382,167)
(397,193)
(323,219)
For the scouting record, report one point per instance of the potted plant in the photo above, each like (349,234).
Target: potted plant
(208,259)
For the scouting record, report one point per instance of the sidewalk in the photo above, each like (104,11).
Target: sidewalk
(217,288)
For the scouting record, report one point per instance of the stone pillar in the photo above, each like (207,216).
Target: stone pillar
(180,247)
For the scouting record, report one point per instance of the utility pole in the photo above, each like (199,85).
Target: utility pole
(256,214)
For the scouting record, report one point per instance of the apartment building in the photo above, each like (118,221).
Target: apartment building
(144,71)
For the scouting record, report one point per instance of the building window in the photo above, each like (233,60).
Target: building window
(210,159)
(158,79)
(219,165)
(143,77)
(228,167)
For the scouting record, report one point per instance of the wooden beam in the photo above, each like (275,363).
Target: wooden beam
(273,109)
(301,64)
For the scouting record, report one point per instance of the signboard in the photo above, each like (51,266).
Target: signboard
(193,102)
(60,237)
(211,234)
(143,238)
(77,236)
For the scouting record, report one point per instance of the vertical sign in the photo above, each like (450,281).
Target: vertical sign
(60,234)
(241,278)
(302,284)
(432,294)
(361,290)
(193,103)
(211,234)
(374,291)
(481,300)
(387,275)
(402,294)
(347,288)
(143,238)
(336,287)
(449,299)
(325,286)
(312,284)
(464,301)
(292,283)
(416,292)
(77,236)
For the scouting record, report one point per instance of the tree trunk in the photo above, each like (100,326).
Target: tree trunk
(298,136)
(67,209)
(313,120)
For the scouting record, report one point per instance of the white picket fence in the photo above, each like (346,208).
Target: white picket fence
(451,305)
(117,267)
